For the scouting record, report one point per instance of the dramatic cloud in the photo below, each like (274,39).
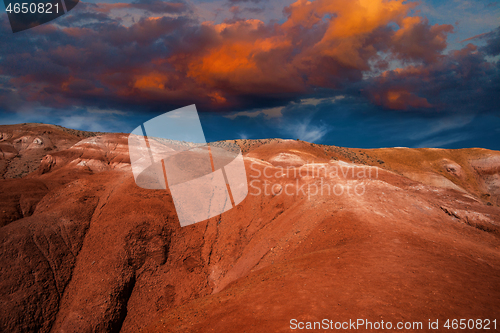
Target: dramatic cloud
(492,42)
(463,79)
(240,1)
(417,41)
(151,6)
(157,55)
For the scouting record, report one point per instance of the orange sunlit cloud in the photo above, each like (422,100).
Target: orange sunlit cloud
(324,44)
(250,57)
(401,100)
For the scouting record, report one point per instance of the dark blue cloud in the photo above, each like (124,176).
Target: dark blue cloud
(86,73)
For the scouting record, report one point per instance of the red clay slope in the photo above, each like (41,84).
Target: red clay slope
(417,237)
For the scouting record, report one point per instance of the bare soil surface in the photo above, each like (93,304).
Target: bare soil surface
(414,235)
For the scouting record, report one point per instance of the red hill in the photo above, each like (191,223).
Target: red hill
(84,249)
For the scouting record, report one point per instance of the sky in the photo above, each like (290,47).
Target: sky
(357,73)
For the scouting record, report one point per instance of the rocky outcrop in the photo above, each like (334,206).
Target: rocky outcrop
(4,136)
(22,147)
(19,198)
